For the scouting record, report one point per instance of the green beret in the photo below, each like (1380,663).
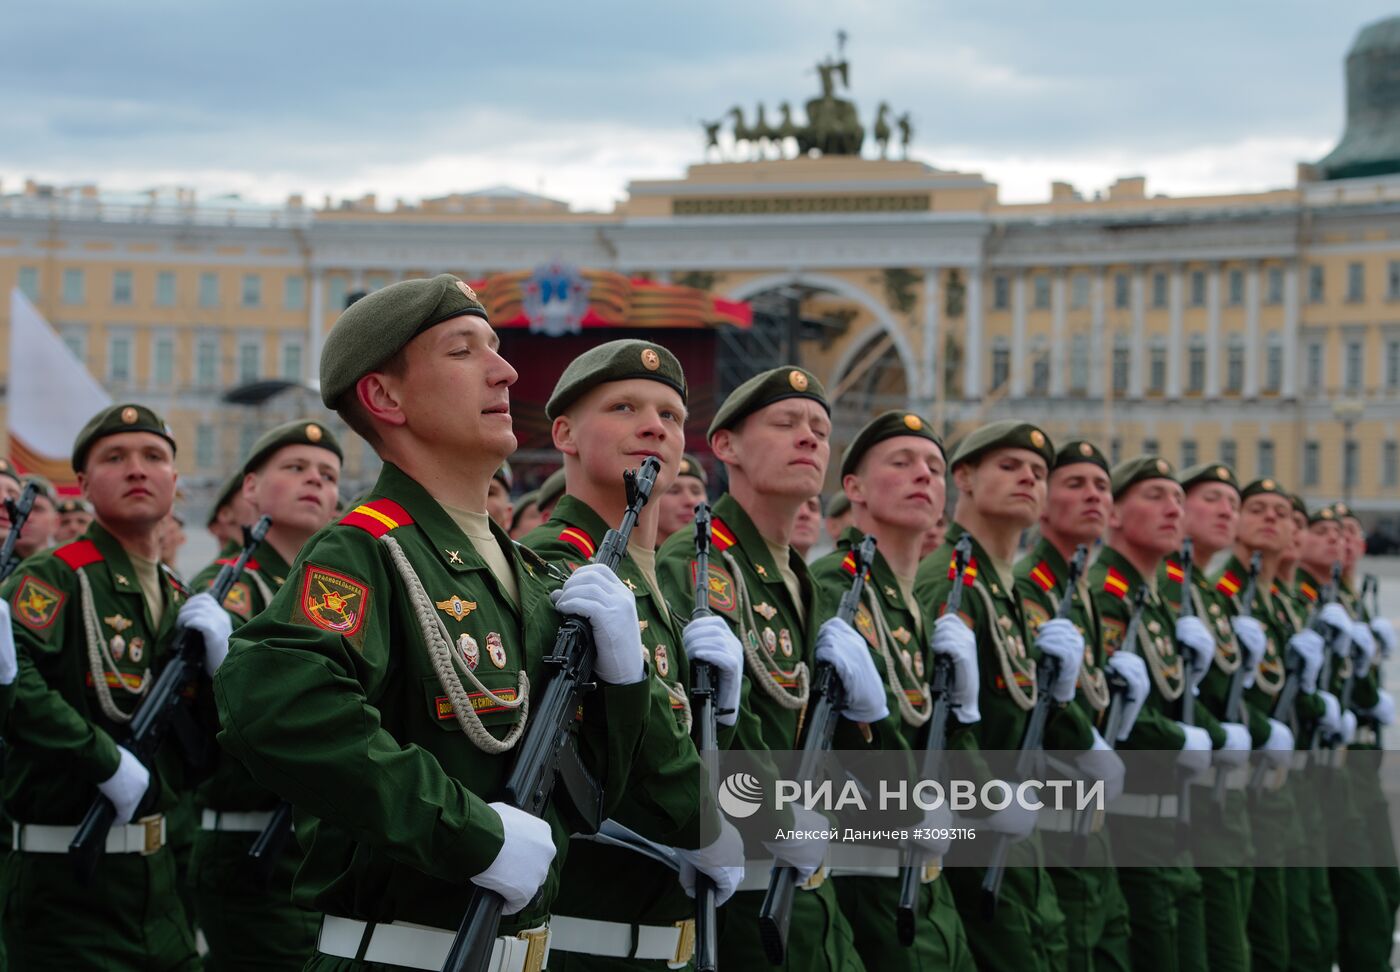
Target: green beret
(763,390)
(42,487)
(614,361)
(1133,471)
(1208,472)
(1077,451)
(1323,514)
(1269,486)
(1010,434)
(840,503)
(225,496)
(551,489)
(690,466)
(505,476)
(1299,506)
(372,330)
(1344,512)
(7,468)
(522,503)
(73,505)
(300,432)
(882,427)
(114,420)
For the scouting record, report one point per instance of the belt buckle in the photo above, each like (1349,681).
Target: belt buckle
(536,948)
(685,944)
(152,841)
(817,879)
(932,870)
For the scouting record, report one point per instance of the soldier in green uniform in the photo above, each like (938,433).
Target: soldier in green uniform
(678,503)
(614,405)
(1211,519)
(498,505)
(385,688)
(292,475)
(894,471)
(1000,471)
(772,434)
(39,529)
(838,516)
(93,620)
(229,515)
(1165,906)
(74,517)
(525,514)
(548,494)
(1078,500)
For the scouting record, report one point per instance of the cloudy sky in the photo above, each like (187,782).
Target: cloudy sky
(574,99)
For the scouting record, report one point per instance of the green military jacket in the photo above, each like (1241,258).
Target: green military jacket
(65,725)
(230,788)
(343,697)
(665,803)
(1365,691)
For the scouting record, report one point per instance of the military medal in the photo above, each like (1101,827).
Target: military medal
(901,635)
(765,610)
(770,640)
(455,607)
(471,651)
(785,640)
(663,661)
(889,592)
(118,644)
(496,650)
(137,649)
(117,623)
(907,658)
(919,664)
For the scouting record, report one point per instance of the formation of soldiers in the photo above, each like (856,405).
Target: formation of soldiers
(376,665)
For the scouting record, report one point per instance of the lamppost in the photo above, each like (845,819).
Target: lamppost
(1348,411)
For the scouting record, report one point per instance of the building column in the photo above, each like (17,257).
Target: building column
(1019,350)
(312,366)
(1252,354)
(1176,342)
(1059,336)
(931,388)
(1213,349)
(1137,355)
(972,353)
(1100,354)
(1290,330)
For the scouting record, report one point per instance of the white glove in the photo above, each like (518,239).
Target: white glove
(1335,617)
(1330,725)
(1308,645)
(1365,644)
(126,786)
(717,861)
(1383,712)
(1099,762)
(1199,644)
(9,664)
(1250,634)
(1278,748)
(839,645)
(1133,670)
(593,592)
(1385,635)
(204,614)
(953,639)
(523,862)
(1013,820)
(1195,750)
(807,851)
(1348,727)
(1059,639)
(936,842)
(710,640)
(1235,752)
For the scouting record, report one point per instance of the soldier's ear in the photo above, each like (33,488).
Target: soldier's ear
(379,396)
(722,445)
(855,489)
(962,478)
(563,433)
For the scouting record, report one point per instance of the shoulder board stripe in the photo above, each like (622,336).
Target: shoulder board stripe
(1043,576)
(1307,590)
(1174,572)
(78,554)
(721,534)
(849,564)
(1228,584)
(377,518)
(579,540)
(969,572)
(226,561)
(1115,583)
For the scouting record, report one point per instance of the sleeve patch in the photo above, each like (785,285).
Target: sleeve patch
(1113,632)
(239,600)
(37,604)
(722,596)
(332,602)
(1035,613)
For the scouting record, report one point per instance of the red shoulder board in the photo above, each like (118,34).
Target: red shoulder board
(1307,590)
(250,565)
(78,554)
(377,518)
(1174,572)
(721,534)
(1115,583)
(579,540)
(1229,584)
(969,573)
(1043,576)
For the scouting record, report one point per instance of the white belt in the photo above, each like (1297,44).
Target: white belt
(146,836)
(1144,805)
(422,947)
(235,822)
(876,862)
(673,944)
(1236,777)
(757,873)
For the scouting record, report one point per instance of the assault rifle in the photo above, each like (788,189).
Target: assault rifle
(543,749)
(1032,738)
(1234,697)
(155,714)
(824,707)
(18,511)
(1188,692)
(703,687)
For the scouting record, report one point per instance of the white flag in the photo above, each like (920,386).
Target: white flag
(51,395)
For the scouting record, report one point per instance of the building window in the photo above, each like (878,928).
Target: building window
(1159,289)
(119,359)
(291,360)
(1151,447)
(1079,363)
(337,294)
(1356,282)
(1121,290)
(1236,287)
(1121,359)
(1115,451)
(208,290)
(1392,365)
(1273,292)
(249,363)
(1390,464)
(1351,460)
(1041,291)
(1196,365)
(1040,370)
(1188,453)
(1079,291)
(1265,459)
(1234,367)
(247,435)
(1228,452)
(1354,366)
(206,361)
(29,282)
(73,286)
(1001,292)
(1311,463)
(1392,280)
(1316,278)
(1198,288)
(1273,363)
(204,446)
(375,281)
(75,337)
(1001,364)
(1313,375)
(165,289)
(294,296)
(252,290)
(163,360)
(121,288)
(1157,369)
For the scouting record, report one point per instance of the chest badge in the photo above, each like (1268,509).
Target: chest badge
(901,634)
(496,650)
(137,650)
(765,610)
(455,607)
(761,572)
(642,624)
(919,664)
(453,556)
(890,593)
(469,650)
(770,640)
(121,579)
(118,646)
(785,642)
(663,661)
(630,586)
(118,623)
